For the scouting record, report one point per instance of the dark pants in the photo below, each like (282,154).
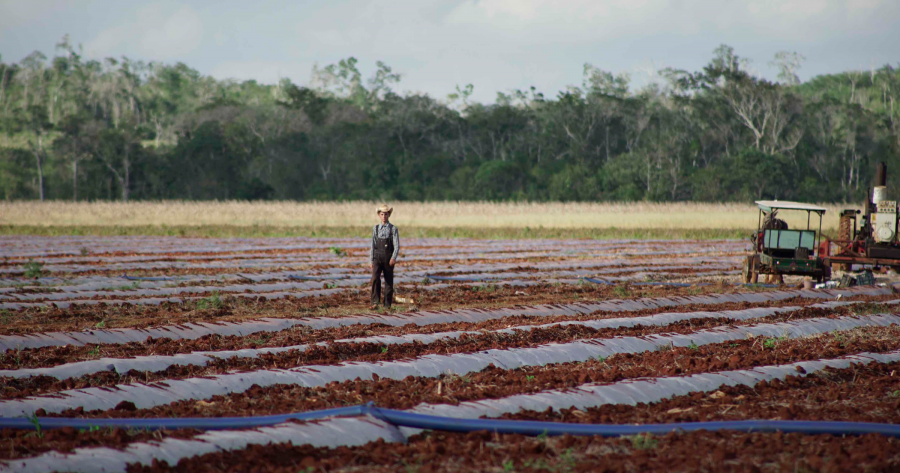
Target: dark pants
(380,265)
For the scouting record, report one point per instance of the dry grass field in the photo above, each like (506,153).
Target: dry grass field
(463,215)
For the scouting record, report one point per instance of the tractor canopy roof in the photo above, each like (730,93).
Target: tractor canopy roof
(769,205)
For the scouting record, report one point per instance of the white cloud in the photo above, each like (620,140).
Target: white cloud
(177,34)
(576,20)
(20,12)
(266,72)
(107,43)
(437,44)
(580,20)
(504,44)
(153,34)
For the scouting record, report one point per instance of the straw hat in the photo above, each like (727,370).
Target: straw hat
(384,208)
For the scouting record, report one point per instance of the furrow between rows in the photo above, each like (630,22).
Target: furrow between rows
(97,283)
(144,396)
(458,343)
(361,430)
(65,300)
(156,363)
(196,330)
(495,382)
(188,264)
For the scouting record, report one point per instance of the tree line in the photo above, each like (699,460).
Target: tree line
(119,129)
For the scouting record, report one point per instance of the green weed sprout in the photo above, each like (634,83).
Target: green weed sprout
(33,269)
(211,302)
(37,425)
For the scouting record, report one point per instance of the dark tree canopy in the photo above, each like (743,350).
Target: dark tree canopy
(120,129)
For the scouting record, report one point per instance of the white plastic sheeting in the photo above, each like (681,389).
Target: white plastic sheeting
(192,331)
(158,294)
(56,297)
(323,433)
(64,304)
(131,263)
(15,246)
(326,433)
(646,390)
(82,287)
(348,287)
(64,301)
(85,286)
(411,270)
(156,363)
(658,269)
(165,392)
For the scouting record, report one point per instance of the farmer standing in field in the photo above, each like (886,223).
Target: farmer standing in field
(383,255)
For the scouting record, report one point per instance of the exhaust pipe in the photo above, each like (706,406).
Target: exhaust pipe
(879,193)
(881,175)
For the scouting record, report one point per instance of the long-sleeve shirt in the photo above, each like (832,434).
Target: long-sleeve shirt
(385,231)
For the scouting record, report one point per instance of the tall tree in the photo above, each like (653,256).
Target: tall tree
(75,144)
(36,124)
(788,63)
(119,150)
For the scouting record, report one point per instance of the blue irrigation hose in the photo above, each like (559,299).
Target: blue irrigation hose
(598,281)
(421,421)
(450,424)
(200,423)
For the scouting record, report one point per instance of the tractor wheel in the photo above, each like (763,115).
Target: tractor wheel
(750,272)
(775,278)
(747,271)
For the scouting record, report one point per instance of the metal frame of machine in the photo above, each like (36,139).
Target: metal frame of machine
(876,240)
(780,251)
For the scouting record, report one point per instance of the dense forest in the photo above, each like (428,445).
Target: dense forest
(119,129)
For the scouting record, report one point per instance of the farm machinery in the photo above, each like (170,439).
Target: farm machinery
(778,250)
(865,237)
(874,241)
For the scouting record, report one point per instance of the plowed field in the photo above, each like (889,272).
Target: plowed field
(570,331)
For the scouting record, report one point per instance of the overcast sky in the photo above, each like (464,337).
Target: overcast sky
(497,45)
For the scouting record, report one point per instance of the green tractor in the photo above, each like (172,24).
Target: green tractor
(778,250)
